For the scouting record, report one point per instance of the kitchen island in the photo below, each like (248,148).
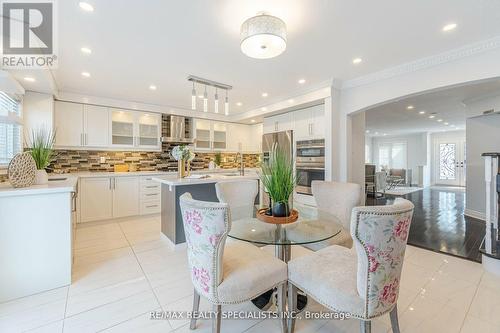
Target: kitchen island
(203,189)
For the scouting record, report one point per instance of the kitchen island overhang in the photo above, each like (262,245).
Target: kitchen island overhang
(200,188)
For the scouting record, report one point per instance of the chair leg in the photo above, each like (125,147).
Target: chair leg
(394,319)
(365,326)
(292,306)
(282,305)
(196,308)
(216,321)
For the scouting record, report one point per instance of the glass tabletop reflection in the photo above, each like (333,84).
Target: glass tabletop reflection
(311,226)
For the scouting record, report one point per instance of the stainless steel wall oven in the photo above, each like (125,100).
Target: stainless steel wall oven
(310,163)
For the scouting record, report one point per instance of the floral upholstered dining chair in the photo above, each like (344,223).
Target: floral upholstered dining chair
(363,282)
(226,273)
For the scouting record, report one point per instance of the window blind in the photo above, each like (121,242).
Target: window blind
(11,141)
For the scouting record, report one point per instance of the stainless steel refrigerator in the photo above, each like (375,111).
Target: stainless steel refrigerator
(284,140)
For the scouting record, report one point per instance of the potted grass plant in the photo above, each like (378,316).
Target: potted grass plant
(279,179)
(42,150)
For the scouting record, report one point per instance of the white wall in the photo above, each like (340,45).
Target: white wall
(483,135)
(416,145)
(38,112)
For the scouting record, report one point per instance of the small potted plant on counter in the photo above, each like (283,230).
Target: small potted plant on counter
(182,154)
(278,178)
(42,150)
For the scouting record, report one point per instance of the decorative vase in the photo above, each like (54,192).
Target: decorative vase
(281,209)
(41,177)
(181,168)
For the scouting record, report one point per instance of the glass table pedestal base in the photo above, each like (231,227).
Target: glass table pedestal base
(268,300)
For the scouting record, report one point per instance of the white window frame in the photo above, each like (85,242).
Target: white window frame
(390,144)
(14,115)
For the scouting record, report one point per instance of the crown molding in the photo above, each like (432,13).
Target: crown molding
(424,63)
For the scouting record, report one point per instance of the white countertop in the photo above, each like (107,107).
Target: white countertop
(70,183)
(90,174)
(56,186)
(173,180)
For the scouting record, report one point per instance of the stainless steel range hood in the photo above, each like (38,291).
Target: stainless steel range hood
(176,130)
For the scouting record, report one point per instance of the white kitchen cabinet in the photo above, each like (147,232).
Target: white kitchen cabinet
(309,123)
(80,125)
(96,199)
(278,123)
(302,124)
(68,119)
(95,123)
(135,130)
(103,198)
(125,196)
(148,130)
(210,135)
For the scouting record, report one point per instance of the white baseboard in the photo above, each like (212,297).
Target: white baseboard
(475,214)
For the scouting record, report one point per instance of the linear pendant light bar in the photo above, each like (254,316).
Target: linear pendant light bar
(210,83)
(207,82)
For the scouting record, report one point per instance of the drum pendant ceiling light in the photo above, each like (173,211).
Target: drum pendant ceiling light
(263,37)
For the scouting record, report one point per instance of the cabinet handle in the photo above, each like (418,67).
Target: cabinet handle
(151,194)
(110,180)
(114,183)
(151,206)
(155,186)
(86,139)
(81,139)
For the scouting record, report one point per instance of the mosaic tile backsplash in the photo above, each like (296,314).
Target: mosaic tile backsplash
(83,160)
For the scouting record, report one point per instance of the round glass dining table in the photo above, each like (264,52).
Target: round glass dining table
(312,226)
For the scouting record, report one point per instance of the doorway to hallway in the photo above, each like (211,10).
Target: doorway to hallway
(450,161)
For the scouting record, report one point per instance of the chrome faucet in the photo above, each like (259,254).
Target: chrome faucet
(242,165)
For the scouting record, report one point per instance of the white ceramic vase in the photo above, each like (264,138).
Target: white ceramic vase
(41,177)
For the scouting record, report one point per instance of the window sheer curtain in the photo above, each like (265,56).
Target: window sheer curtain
(11,126)
(392,155)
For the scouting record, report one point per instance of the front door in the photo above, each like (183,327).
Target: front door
(450,162)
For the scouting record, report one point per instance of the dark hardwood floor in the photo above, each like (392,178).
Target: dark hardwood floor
(439,223)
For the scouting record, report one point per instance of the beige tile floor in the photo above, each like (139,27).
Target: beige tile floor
(124,270)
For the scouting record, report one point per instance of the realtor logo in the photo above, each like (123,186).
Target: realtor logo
(28,34)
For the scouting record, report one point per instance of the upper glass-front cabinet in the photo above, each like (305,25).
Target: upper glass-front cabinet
(149,130)
(210,135)
(135,129)
(122,128)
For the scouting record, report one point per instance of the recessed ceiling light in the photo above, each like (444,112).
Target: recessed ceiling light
(291,100)
(264,109)
(446,124)
(385,134)
(410,107)
(265,94)
(85,74)
(86,6)
(302,81)
(421,112)
(439,120)
(376,133)
(367,131)
(86,50)
(29,79)
(253,120)
(453,126)
(356,61)
(450,27)
(432,116)
(239,104)
(152,87)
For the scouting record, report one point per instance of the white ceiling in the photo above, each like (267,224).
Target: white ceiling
(138,43)
(448,104)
